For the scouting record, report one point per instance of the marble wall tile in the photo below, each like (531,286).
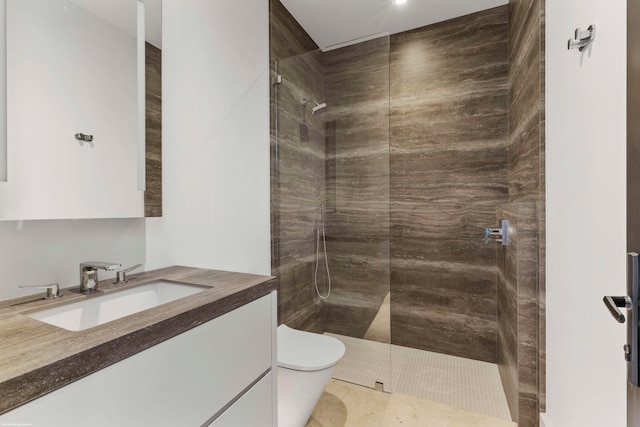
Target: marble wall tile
(527,179)
(287,37)
(153,105)
(542,319)
(449,169)
(528,314)
(360,282)
(290,311)
(542,374)
(357,184)
(518,311)
(297,169)
(525,58)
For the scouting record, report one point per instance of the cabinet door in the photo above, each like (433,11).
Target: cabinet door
(180,382)
(254,408)
(71,71)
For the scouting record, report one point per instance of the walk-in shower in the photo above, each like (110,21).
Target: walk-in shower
(405,169)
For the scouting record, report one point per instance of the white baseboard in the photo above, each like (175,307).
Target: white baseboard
(544,420)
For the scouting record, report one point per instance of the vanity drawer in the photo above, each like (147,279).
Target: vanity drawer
(254,408)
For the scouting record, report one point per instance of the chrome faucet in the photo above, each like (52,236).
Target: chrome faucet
(89,274)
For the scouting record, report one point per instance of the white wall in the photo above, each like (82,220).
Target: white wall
(215,137)
(42,252)
(586,230)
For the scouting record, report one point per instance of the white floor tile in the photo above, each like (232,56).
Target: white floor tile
(455,381)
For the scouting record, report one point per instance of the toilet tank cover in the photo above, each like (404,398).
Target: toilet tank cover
(306,351)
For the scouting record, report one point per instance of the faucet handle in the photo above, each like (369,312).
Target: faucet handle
(121,276)
(107,266)
(53,290)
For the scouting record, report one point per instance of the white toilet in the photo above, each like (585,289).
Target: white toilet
(305,365)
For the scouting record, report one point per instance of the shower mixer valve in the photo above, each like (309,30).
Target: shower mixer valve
(502,233)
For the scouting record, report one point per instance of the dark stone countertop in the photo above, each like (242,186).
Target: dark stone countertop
(37,358)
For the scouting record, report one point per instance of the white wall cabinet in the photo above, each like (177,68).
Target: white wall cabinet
(70,71)
(183,381)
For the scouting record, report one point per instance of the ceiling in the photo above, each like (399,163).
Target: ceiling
(336,23)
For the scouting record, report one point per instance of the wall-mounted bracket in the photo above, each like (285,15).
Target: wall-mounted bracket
(582,39)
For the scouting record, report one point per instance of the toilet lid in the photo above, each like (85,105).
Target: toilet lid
(306,351)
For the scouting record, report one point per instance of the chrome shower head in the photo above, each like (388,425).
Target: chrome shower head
(318,107)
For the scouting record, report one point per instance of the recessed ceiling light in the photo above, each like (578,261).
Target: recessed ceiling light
(399,1)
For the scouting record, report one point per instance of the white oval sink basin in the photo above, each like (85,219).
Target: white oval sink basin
(103,308)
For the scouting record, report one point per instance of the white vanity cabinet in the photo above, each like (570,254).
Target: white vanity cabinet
(218,374)
(252,409)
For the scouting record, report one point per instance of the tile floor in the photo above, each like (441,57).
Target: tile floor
(454,381)
(347,405)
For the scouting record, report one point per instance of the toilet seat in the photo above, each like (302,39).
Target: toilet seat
(306,351)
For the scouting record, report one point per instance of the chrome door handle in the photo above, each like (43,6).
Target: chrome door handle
(633,290)
(613,303)
(631,303)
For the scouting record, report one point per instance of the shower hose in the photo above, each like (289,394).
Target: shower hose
(326,263)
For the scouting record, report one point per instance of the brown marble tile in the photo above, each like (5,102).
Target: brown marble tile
(527,183)
(508,315)
(542,374)
(525,98)
(287,37)
(357,179)
(528,311)
(541,222)
(529,412)
(449,168)
(518,311)
(293,300)
(153,105)
(449,334)
(360,282)
(297,169)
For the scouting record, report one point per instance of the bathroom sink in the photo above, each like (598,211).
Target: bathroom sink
(105,307)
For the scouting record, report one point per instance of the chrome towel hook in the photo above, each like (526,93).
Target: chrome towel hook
(84,137)
(582,39)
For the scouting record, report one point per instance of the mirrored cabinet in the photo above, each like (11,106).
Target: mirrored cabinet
(83,109)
